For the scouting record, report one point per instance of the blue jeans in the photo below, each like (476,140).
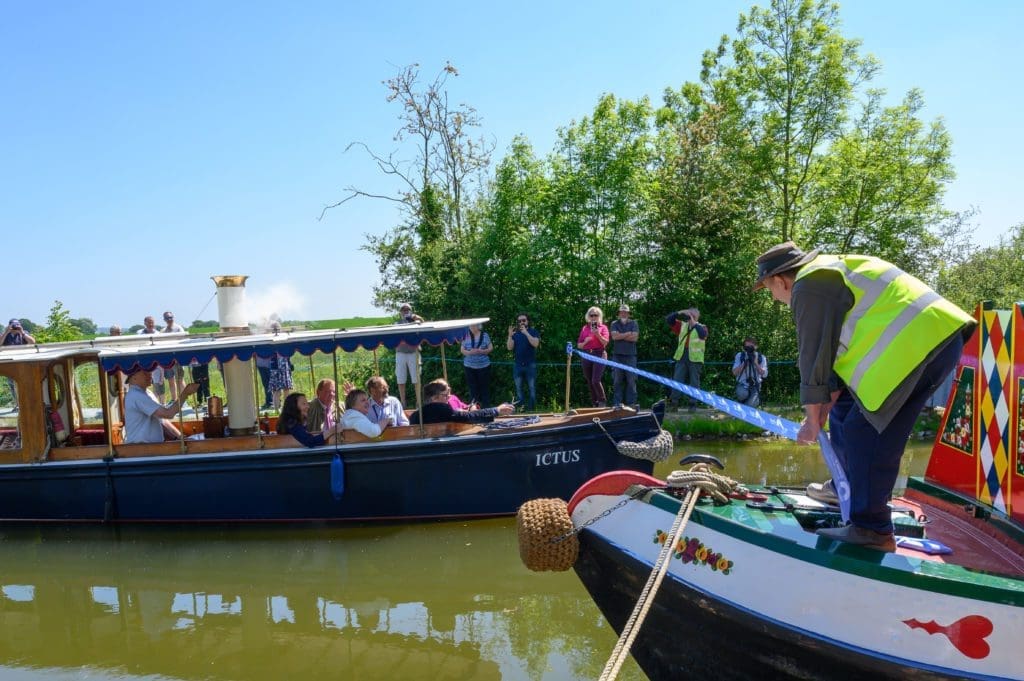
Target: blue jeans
(872,459)
(527,374)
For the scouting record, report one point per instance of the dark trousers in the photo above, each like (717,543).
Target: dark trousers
(265,379)
(201,375)
(525,378)
(479,382)
(872,459)
(624,380)
(593,373)
(688,373)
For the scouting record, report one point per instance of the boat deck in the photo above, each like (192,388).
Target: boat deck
(981,550)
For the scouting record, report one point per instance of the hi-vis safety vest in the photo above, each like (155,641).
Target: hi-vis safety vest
(696,345)
(894,324)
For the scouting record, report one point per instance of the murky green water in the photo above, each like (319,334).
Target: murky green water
(431,601)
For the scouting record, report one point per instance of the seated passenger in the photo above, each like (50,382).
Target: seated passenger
(458,404)
(292,421)
(357,415)
(384,407)
(321,409)
(437,410)
(145,419)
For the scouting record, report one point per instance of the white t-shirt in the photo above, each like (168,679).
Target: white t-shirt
(140,424)
(358,421)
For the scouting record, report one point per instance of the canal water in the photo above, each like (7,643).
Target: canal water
(431,601)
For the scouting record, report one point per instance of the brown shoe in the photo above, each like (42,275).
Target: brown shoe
(861,536)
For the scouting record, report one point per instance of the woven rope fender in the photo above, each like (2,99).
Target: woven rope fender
(546,538)
(656,449)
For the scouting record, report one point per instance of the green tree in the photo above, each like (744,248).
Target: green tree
(784,85)
(995,273)
(439,174)
(881,186)
(788,85)
(85,325)
(59,326)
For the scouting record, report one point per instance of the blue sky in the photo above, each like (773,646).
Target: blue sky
(148,146)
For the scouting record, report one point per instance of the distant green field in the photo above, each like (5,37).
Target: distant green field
(347,322)
(316,324)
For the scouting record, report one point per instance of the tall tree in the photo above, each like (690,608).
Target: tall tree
(995,273)
(784,84)
(439,172)
(881,185)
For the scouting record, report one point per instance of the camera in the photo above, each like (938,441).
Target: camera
(684,316)
(593,325)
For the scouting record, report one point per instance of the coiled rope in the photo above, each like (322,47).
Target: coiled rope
(699,479)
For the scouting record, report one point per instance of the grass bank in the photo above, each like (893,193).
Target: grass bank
(711,424)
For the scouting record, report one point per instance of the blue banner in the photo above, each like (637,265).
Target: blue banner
(770,422)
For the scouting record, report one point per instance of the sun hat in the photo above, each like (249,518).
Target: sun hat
(781,258)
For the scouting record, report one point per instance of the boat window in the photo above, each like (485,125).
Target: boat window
(87,398)
(57,386)
(10,432)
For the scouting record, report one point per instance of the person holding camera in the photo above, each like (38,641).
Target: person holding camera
(523,341)
(624,332)
(15,335)
(689,354)
(593,340)
(750,367)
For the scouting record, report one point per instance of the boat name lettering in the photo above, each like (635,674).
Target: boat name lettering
(554,458)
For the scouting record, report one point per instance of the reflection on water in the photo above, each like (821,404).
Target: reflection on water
(431,601)
(439,601)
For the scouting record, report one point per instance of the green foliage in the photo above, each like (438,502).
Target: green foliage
(995,273)
(59,326)
(85,325)
(348,322)
(668,207)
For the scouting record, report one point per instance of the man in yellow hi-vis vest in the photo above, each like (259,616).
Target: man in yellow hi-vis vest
(874,343)
(689,354)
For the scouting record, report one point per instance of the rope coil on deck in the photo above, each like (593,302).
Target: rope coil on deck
(700,475)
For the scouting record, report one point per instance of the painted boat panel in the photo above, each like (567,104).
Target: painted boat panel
(788,582)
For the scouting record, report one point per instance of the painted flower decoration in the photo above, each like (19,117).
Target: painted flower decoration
(691,550)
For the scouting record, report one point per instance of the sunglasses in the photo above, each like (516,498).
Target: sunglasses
(593,315)
(521,320)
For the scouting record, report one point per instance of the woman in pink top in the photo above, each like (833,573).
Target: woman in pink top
(593,340)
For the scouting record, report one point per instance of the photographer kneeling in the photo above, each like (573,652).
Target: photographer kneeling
(750,367)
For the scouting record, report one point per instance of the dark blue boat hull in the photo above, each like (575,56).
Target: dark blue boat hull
(452,477)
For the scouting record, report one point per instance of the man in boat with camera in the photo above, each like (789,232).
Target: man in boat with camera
(873,345)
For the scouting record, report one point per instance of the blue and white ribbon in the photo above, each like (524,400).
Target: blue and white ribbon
(770,422)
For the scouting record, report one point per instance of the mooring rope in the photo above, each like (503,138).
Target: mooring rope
(698,479)
(762,419)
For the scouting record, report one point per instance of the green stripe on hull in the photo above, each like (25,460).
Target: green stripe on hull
(788,538)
